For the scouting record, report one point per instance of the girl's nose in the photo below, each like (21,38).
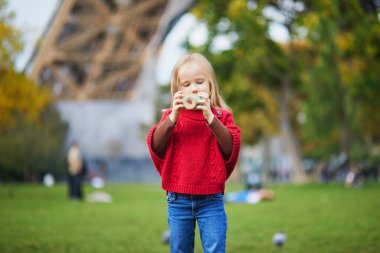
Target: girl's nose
(194,88)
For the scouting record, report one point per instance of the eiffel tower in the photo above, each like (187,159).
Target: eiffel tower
(96,49)
(100,57)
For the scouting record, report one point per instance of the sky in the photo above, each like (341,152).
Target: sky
(32,17)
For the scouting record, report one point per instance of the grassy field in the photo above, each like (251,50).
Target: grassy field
(315,218)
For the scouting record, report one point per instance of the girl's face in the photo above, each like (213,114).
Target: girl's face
(193,79)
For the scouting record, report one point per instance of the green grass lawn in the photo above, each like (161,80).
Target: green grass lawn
(315,218)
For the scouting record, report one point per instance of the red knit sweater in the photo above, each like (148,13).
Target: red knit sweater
(193,162)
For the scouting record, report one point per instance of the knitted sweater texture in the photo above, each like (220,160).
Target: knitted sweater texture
(193,162)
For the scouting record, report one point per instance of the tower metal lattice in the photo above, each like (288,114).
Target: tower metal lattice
(95,49)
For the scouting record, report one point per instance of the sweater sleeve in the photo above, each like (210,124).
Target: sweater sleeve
(229,122)
(157,143)
(223,136)
(160,136)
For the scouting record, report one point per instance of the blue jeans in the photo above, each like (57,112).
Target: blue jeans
(208,211)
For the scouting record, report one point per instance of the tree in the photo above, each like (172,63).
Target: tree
(10,44)
(345,55)
(29,150)
(31,131)
(256,63)
(19,95)
(327,72)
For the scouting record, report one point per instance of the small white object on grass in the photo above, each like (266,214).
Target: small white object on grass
(97,182)
(48,180)
(166,237)
(279,238)
(99,197)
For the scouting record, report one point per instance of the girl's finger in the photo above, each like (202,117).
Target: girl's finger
(178,101)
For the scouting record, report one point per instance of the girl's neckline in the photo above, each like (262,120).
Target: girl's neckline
(193,114)
(198,115)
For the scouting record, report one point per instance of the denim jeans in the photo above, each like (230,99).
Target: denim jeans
(206,210)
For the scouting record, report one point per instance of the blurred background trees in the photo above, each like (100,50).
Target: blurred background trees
(31,131)
(318,89)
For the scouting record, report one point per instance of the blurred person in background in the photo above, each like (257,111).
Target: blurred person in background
(75,172)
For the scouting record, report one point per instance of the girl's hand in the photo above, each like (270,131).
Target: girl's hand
(177,106)
(205,106)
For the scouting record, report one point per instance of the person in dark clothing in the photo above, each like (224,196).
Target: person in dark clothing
(75,172)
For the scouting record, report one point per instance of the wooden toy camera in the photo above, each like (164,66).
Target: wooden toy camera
(190,101)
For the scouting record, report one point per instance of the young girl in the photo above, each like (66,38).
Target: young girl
(195,151)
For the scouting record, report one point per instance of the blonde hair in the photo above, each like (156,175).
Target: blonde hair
(216,99)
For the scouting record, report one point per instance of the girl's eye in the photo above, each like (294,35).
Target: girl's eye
(200,81)
(185,84)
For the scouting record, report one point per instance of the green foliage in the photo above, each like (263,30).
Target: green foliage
(31,150)
(250,73)
(331,63)
(341,83)
(315,218)
(10,43)
(31,131)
